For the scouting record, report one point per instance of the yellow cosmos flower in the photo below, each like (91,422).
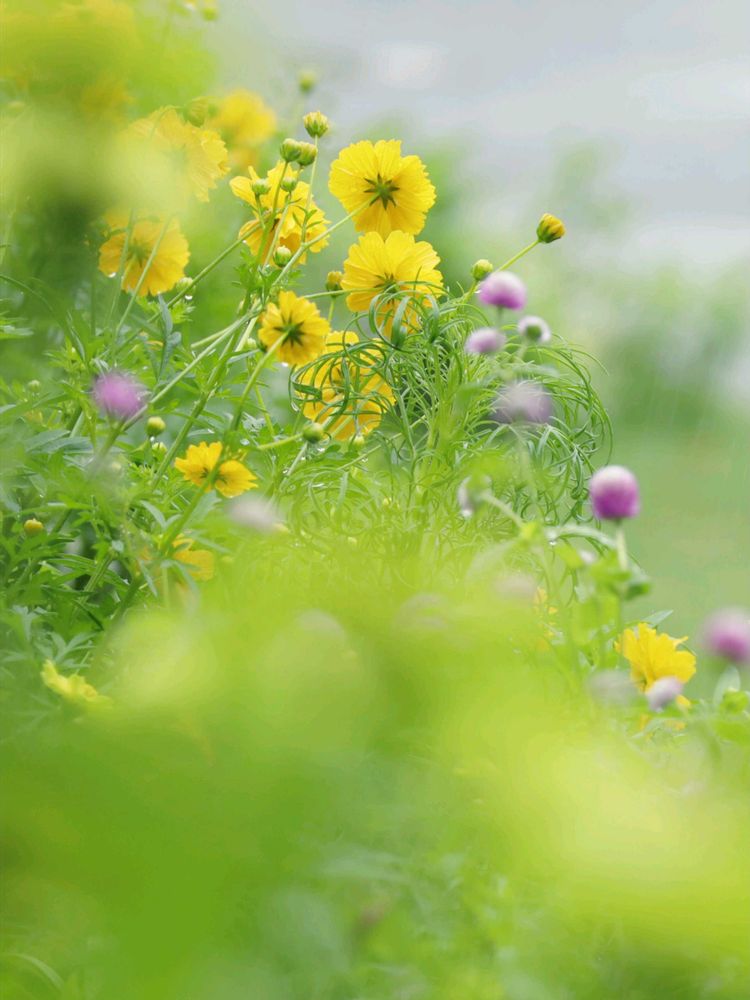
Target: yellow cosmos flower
(396,263)
(199,562)
(244,122)
(299,326)
(72,687)
(198,155)
(652,655)
(345,388)
(281,218)
(395,188)
(232,477)
(168,264)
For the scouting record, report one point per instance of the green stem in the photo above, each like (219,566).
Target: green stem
(621,547)
(518,256)
(206,270)
(142,277)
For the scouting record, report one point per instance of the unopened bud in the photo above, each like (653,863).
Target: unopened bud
(358,441)
(196,111)
(481,269)
(535,329)
(307,81)
(316,124)
(549,229)
(288,184)
(158,448)
(313,433)
(260,187)
(333,281)
(155,426)
(32,527)
(282,256)
(34,386)
(307,153)
(289,150)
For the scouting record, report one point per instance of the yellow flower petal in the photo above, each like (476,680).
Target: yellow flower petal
(388,191)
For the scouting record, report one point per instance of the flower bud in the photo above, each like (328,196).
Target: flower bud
(118,395)
(316,124)
(523,402)
(549,229)
(307,81)
(333,281)
(260,187)
(481,269)
(32,527)
(614,495)
(289,150)
(155,426)
(34,386)
(503,289)
(307,153)
(288,184)
(313,433)
(663,692)
(485,340)
(282,256)
(196,111)
(158,448)
(471,492)
(727,634)
(535,329)
(358,441)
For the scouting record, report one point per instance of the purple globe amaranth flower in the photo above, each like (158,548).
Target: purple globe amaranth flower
(614,493)
(501,288)
(523,402)
(485,340)
(118,395)
(727,634)
(535,329)
(663,692)
(256,514)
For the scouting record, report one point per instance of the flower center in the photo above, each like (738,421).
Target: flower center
(382,189)
(293,332)
(139,251)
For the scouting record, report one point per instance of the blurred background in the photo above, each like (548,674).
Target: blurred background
(630,123)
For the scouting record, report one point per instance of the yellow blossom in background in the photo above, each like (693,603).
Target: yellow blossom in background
(348,384)
(281,218)
(232,477)
(395,188)
(396,263)
(652,655)
(105,100)
(244,122)
(169,262)
(200,563)
(72,687)
(297,323)
(198,156)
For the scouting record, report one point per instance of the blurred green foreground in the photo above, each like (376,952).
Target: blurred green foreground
(325,787)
